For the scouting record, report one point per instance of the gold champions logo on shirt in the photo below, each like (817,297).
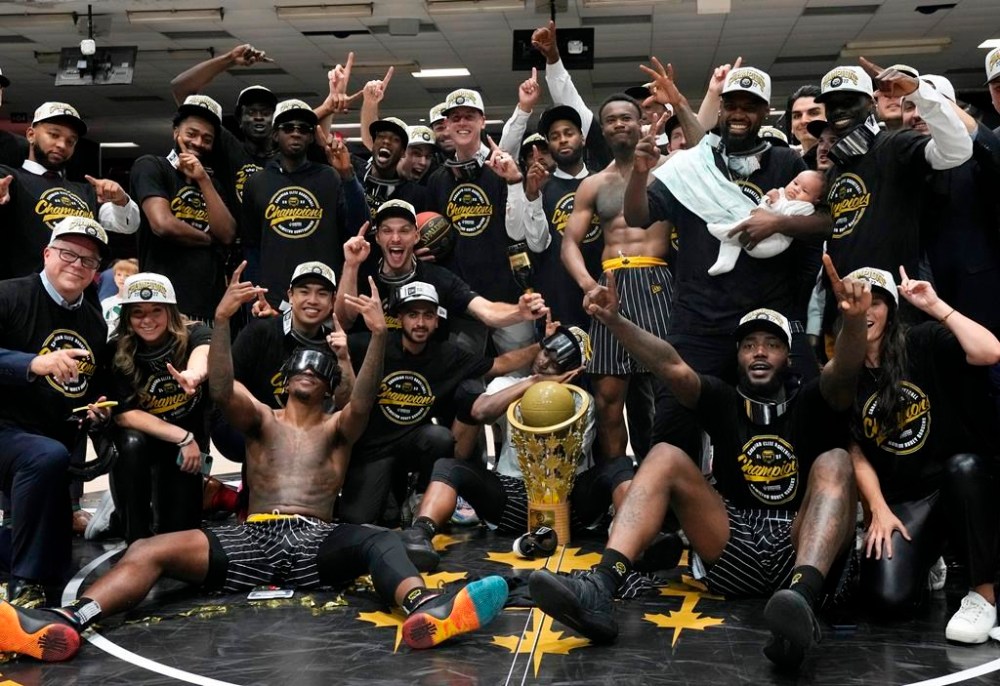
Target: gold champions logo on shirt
(751,190)
(561,213)
(189,206)
(62,339)
(405,397)
(164,398)
(770,469)
(293,212)
(58,203)
(469,209)
(912,424)
(848,199)
(243,175)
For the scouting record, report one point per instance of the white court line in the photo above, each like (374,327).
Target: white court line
(102,643)
(964,675)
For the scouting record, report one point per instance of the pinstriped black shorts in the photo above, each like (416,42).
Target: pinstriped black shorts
(644,298)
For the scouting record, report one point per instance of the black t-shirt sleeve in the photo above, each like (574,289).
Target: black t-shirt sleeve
(456,293)
(465,397)
(661,203)
(198,334)
(715,399)
(148,180)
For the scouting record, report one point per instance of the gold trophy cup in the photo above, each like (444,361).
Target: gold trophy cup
(548,453)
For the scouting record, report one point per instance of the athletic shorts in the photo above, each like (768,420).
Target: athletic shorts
(644,298)
(759,557)
(282,552)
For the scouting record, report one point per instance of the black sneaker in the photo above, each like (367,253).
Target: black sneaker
(582,603)
(419,549)
(794,629)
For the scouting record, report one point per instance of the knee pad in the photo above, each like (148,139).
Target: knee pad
(437,441)
(615,472)
(444,471)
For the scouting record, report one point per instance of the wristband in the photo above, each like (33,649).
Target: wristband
(187,440)
(944,318)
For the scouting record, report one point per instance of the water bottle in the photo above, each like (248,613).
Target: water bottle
(541,542)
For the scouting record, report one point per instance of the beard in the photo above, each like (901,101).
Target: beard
(767,391)
(43,159)
(569,160)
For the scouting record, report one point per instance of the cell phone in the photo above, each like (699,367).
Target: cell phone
(103,404)
(270,593)
(206,462)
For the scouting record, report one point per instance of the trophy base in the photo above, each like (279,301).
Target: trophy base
(555,516)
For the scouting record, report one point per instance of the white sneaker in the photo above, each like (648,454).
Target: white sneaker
(938,575)
(973,621)
(101,521)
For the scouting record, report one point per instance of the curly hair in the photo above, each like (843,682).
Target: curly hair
(127,344)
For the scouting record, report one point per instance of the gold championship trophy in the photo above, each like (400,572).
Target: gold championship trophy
(547,426)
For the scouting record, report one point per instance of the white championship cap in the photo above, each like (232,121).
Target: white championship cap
(749,80)
(147,287)
(845,80)
(464,97)
(992,64)
(763,319)
(879,279)
(315,270)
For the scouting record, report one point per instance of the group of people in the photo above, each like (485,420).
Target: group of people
(770,319)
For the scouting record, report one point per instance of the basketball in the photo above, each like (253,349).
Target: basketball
(436,234)
(547,403)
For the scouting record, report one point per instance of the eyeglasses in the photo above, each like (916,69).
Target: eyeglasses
(294,127)
(69,257)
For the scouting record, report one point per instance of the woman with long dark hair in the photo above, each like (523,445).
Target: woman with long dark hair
(160,363)
(923,457)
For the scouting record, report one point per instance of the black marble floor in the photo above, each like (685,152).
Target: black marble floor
(677,636)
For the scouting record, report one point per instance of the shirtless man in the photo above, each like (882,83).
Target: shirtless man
(637,257)
(296,460)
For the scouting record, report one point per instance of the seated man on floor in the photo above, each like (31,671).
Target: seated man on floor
(499,497)
(296,461)
(782,510)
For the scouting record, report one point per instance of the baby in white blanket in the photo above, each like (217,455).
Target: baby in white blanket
(797,198)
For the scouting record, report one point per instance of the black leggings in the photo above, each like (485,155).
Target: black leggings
(964,510)
(484,491)
(145,473)
(351,551)
(370,476)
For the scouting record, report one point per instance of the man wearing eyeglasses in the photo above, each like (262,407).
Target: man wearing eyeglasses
(52,342)
(295,208)
(36,195)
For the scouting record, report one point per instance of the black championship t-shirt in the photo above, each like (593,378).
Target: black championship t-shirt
(158,393)
(260,351)
(875,204)
(377,191)
(767,467)
(36,205)
(453,293)
(561,292)
(476,210)
(712,305)
(938,418)
(413,387)
(238,163)
(299,216)
(195,271)
(31,322)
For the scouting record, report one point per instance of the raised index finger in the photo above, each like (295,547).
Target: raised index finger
(490,142)
(902,273)
(831,271)
(363,230)
(738,62)
(238,272)
(660,124)
(534,73)
(870,67)
(387,77)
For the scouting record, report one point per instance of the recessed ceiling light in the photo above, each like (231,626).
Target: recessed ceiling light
(441,73)
(120,144)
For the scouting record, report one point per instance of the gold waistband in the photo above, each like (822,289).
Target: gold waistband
(270,517)
(632,262)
